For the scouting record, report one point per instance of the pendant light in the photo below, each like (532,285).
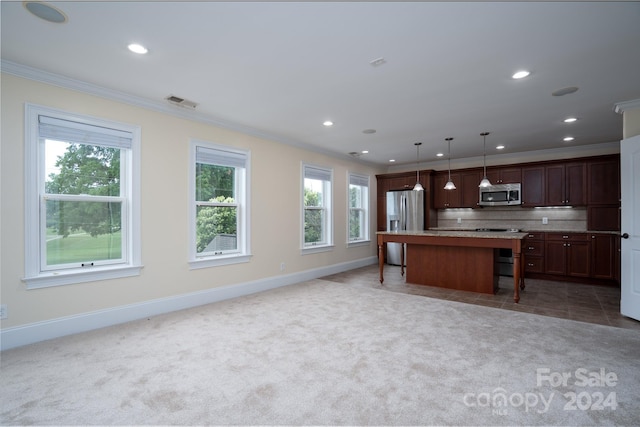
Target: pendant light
(418,186)
(485,181)
(449,185)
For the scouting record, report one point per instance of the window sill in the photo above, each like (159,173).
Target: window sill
(356,243)
(218,261)
(60,278)
(316,249)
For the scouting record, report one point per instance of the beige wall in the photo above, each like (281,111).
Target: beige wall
(275,203)
(631,123)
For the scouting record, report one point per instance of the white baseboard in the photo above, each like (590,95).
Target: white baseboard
(49,329)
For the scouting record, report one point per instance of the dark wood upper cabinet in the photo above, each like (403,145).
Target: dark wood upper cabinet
(446,198)
(603,181)
(507,175)
(565,184)
(533,187)
(470,193)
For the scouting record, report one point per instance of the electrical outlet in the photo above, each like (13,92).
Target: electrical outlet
(282,266)
(545,220)
(459,220)
(3,311)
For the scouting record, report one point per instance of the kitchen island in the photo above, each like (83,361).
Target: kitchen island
(463,260)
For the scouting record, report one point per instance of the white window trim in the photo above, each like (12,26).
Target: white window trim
(34,166)
(367,240)
(244,209)
(328,246)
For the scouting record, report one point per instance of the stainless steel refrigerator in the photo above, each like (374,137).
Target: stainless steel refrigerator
(405,211)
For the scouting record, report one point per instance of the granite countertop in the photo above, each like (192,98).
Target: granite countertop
(531,230)
(460,233)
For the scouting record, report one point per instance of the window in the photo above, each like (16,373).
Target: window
(358,208)
(219,200)
(81,201)
(317,225)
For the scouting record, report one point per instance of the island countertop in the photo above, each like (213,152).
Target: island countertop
(460,233)
(450,249)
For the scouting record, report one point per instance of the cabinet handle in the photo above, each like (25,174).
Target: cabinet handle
(565,237)
(531,248)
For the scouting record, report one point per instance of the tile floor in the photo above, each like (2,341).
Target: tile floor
(585,303)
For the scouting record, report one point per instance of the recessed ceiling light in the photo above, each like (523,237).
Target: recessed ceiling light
(392,160)
(328,123)
(45,11)
(138,48)
(521,74)
(439,154)
(570,119)
(568,138)
(500,147)
(365,151)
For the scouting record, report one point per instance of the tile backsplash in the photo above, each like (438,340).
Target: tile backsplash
(558,219)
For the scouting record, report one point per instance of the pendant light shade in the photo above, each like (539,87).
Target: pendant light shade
(485,181)
(418,186)
(449,185)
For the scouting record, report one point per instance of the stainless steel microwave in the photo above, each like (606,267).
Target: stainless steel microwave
(500,195)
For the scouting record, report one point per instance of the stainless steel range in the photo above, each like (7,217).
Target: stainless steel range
(504,256)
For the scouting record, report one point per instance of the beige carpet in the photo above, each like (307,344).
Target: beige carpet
(322,353)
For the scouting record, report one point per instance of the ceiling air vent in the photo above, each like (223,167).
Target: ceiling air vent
(176,100)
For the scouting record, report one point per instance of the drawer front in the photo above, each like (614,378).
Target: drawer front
(533,248)
(534,236)
(572,237)
(534,265)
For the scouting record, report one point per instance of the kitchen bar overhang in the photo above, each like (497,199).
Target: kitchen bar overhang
(463,260)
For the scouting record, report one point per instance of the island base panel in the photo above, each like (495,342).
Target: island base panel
(462,268)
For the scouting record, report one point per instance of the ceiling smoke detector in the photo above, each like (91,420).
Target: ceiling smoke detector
(176,100)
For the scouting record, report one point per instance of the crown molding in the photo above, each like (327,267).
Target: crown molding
(36,74)
(621,107)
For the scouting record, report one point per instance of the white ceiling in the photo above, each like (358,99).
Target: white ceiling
(281,69)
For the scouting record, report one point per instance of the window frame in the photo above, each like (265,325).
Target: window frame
(327,207)
(352,179)
(35,224)
(242,203)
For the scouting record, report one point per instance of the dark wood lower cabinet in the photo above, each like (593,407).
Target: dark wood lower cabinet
(603,256)
(577,257)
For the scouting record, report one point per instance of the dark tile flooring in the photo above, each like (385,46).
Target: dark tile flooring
(585,303)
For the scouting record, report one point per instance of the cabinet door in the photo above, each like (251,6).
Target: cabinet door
(578,259)
(470,192)
(602,256)
(565,184)
(533,186)
(575,187)
(603,182)
(554,185)
(555,257)
(510,176)
(446,198)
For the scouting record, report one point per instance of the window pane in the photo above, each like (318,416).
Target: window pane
(355,196)
(313,189)
(83,231)
(356,224)
(214,181)
(216,228)
(313,225)
(81,169)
